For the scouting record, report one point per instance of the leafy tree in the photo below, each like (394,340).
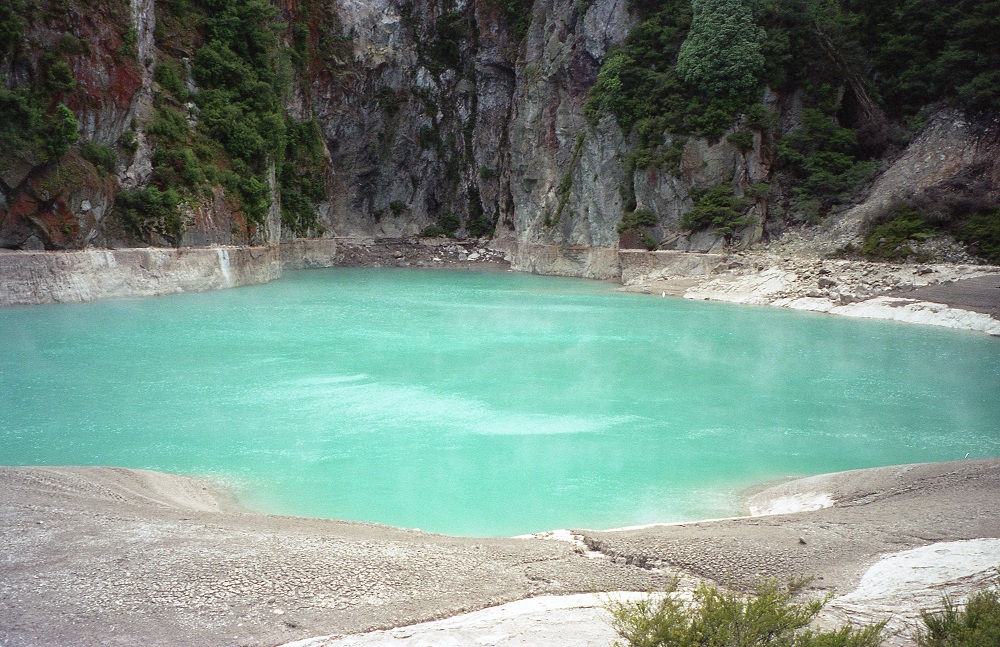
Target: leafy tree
(718,208)
(821,159)
(11,25)
(61,132)
(19,120)
(722,52)
(59,79)
(148,211)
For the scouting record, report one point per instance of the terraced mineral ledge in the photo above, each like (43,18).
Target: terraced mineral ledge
(965,297)
(116,556)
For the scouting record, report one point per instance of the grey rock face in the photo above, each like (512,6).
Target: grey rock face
(566,175)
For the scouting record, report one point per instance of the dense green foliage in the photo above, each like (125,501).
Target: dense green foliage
(61,132)
(36,118)
(719,208)
(301,178)
(891,240)
(149,211)
(102,157)
(933,50)
(20,121)
(721,55)
(821,162)
(725,619)
(11,25)
(977,625)
(864,71)
(239,130)
(447,224)
(981,232)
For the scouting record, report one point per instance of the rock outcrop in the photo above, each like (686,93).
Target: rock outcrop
(461,118)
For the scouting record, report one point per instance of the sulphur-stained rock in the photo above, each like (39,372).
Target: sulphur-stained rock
(49,206)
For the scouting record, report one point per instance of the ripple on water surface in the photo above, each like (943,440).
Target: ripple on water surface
(484,403)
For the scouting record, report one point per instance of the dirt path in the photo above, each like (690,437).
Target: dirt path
(980,294)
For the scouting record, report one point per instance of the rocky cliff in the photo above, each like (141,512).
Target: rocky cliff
(202,122)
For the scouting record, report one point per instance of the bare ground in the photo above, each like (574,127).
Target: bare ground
(116,556)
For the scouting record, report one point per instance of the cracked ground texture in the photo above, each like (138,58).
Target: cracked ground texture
(116,556)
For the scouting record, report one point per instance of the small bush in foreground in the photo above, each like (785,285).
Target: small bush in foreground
(978,625)
(722,618)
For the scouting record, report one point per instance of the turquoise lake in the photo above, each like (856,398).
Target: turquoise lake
(480,403)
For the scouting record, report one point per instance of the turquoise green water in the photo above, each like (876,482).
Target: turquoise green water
(481,403)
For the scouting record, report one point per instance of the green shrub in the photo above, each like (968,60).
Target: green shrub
(822,159)
(725,619)
(635,220)
(890,241)
(741,139)
(445,49)
(982,234)
(449,223)
(517,14)
(170,77)
(11,25)
(170,126)
(59,78)
(721,55)
(61,131)
(128,141)
(130,44)
(20,120)
(758,191)
(977,625)
(718,208)
(102,157)
(148,211)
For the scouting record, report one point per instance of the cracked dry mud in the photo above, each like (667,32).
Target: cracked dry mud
(116,556)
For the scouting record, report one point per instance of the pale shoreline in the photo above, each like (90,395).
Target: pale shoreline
(960,297)
(125,556)
(924,294)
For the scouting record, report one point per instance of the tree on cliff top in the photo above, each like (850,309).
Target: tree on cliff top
(721,55)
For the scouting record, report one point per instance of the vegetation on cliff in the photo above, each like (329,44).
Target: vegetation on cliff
(849,81)
(226,125)
(255,102)
(219,127)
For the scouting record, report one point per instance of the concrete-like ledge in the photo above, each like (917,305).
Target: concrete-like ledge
(32,278)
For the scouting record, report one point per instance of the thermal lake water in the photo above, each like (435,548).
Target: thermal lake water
(484,403)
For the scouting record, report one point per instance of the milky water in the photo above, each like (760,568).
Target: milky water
(484,403)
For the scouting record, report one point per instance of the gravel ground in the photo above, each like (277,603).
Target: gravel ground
(116,556)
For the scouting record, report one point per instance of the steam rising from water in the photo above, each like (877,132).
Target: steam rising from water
(368,406)
(484,403)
